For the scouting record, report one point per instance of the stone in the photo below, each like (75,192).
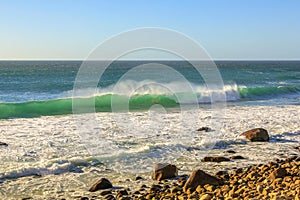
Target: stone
(101,184)
(209,188)
(164,171)
(3,144)
(257,135)
(199,177)
(155,188)
(204,128)
(278,173)
(229,151)
(215,159)
(220,173)
(205,197)
(236,157)
(139,178)
(121,193)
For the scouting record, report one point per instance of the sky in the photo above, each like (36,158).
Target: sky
(227,29)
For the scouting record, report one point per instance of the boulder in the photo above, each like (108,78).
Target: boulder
(101,184)
(164,171)
(205,128)
(278,173)
(3,144)
(229,151)
(236,157)
(199,177)
(257,135)
(215,159)
(139,178)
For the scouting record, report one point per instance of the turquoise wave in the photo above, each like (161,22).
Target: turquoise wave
(64,106)
(137,102)
(259,92)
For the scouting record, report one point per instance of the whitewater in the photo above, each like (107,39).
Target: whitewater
(53,153)
(46,156)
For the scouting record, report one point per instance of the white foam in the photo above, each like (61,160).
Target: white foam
(52,145)
(187,92)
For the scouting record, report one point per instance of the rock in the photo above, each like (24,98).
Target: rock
(155,188)
(103,183)
(164,171)
(199,177)
(205,197)
(222,175)
(237,157)
(257,135)
(278,173)
(121,193)
(229,151)
(215,159)
(139,178)
(204,128)
(3,144)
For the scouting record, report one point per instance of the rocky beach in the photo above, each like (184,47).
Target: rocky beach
(274,180)
(45,158)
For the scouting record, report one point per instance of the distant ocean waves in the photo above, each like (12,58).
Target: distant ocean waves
(103,102)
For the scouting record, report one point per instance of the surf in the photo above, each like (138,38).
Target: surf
(138,102)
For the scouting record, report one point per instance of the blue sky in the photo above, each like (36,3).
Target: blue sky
(227,29)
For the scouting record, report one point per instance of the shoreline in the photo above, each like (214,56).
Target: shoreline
(64,169)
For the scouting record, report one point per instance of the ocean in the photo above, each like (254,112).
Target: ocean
(42,88)
(50,153)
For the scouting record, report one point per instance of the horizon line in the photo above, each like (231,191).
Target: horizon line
(81,60)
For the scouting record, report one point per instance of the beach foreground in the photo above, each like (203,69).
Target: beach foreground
(46,158)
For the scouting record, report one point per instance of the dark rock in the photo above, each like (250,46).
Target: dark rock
(164,171)
(139,178)
(229,151)
(155,188)
(199,177)
(103,183)
(222,175)
(205,128)
(121,193)
(3,144)
(84,198)
(257,135)
(236,157)
(215,159)
(137,192)
(278,173)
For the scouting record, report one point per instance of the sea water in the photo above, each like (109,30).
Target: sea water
(42,88)
(50,153)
